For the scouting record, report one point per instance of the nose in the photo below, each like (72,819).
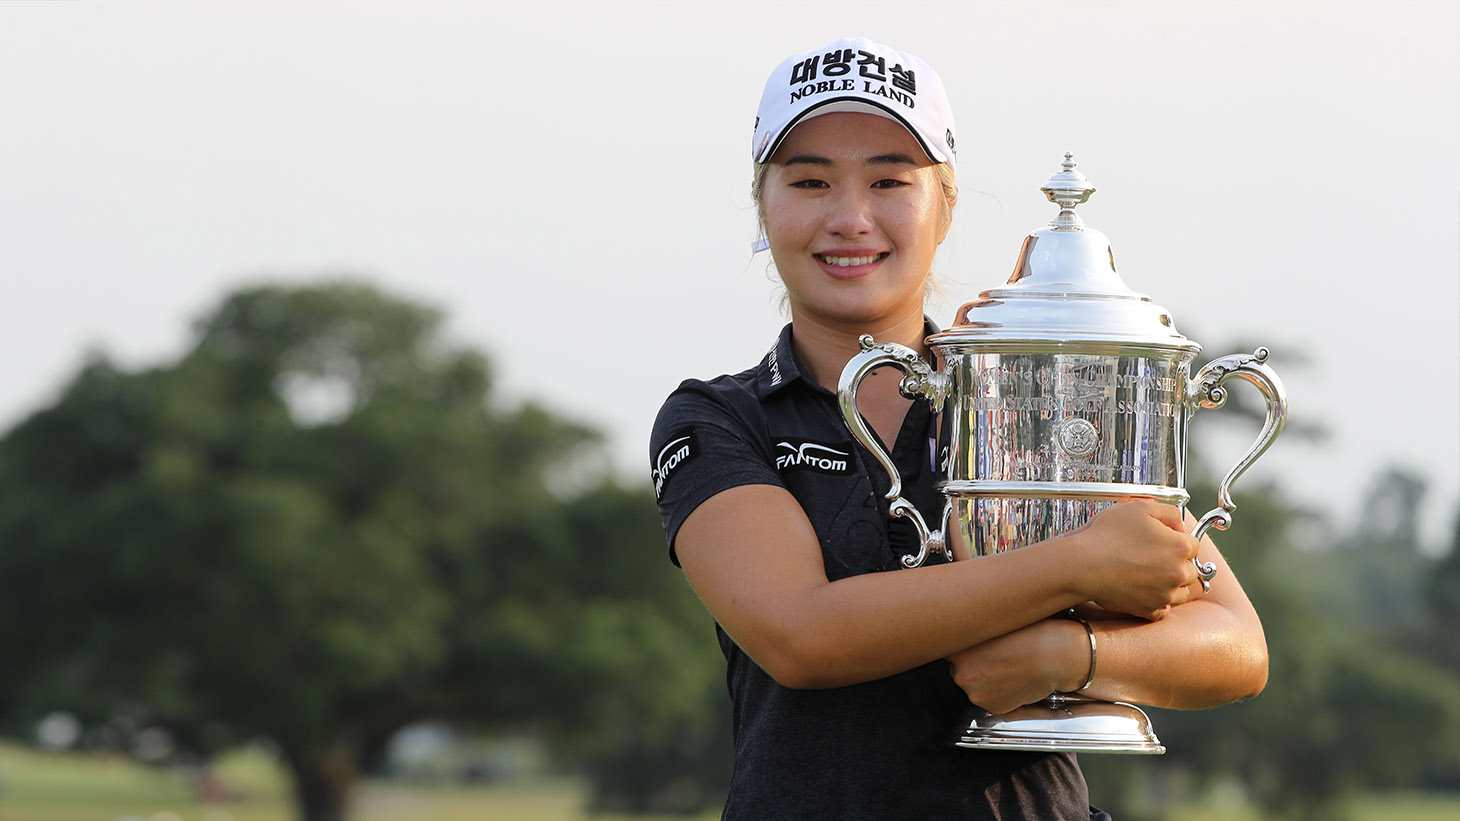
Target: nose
(850,214)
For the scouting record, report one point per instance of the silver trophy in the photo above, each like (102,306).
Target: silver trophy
(1066,392)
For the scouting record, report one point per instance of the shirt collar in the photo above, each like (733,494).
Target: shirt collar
(781,367)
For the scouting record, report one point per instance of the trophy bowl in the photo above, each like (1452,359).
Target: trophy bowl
(1066,392)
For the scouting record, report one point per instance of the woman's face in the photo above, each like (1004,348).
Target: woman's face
(854,213)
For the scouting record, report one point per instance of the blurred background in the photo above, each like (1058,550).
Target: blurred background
(334,332)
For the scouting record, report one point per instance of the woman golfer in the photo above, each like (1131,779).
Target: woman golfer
(847,672)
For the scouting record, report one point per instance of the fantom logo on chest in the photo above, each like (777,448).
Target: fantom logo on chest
(804,454)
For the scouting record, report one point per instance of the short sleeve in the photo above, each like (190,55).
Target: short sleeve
(701,446)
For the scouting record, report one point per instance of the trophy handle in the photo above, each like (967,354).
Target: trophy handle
(919,381)
(1205,391)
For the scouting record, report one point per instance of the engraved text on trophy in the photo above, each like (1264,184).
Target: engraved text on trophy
(1074,418)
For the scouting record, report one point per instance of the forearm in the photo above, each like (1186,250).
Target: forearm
(1202,654)
(1209,651)
(875,625)
(751,555)
(743,553)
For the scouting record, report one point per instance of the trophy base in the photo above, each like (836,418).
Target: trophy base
(1064,723)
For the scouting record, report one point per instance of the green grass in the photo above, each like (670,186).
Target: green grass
(1396,806)
(38,786)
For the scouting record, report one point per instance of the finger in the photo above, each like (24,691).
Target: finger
(1181,596)
(1171,517)
(1189,574)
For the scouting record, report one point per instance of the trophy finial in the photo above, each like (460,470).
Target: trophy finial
(1067,189)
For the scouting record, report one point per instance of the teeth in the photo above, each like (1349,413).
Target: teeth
(848,262)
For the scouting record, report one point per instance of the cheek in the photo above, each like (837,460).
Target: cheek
(783,222)
(938,220)
(923,228)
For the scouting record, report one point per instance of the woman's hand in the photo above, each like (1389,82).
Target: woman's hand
(1135,558)
(1024,666)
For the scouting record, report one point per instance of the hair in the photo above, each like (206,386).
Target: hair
(946,180)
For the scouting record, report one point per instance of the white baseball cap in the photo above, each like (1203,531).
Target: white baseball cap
(856,75)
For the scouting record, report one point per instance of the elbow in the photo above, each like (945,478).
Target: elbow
(797,673)
(1256,680)
(1242,663)
(1243,676)
(1234,671)
(1250,664)
(794,677)
(801,663)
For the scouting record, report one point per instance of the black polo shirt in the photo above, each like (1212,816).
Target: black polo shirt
(877,750)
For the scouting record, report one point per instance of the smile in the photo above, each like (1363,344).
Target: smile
(851,262)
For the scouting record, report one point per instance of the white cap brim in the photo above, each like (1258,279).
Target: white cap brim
(856,75)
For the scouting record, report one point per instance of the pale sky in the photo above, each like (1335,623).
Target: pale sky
(569,182)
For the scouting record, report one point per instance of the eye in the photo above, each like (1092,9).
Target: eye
(890,183)
(813,184)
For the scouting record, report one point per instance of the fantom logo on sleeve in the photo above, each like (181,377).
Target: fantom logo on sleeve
(681,448)
(804,454)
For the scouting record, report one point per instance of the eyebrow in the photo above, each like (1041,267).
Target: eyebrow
(808,159)
(879,159)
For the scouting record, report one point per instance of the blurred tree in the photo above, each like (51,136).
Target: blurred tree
(654,734)
(1442,647)
(1351,701)
(1380,564)
(1344,709)
(1443,595)
(316,528)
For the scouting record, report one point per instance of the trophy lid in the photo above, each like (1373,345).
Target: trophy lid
(1065,290)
